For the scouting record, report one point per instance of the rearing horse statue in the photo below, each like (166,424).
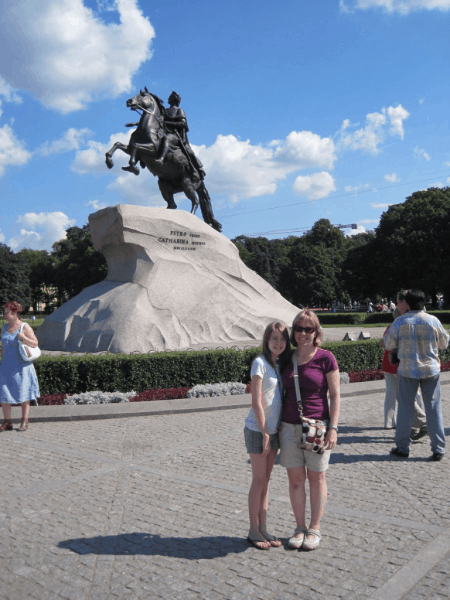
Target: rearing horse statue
(165,155)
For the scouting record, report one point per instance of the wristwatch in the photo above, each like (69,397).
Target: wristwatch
(335,427)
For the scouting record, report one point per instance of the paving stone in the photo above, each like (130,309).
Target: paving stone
(156,507)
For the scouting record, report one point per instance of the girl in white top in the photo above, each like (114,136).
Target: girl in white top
(261,428)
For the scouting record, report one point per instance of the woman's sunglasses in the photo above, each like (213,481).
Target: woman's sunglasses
(299,329)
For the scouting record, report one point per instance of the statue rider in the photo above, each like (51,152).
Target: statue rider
(176,123)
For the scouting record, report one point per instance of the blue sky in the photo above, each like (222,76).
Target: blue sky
(299,109)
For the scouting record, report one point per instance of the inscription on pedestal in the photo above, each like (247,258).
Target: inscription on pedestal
(181,240)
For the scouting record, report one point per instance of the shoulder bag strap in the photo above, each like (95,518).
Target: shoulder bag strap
(297,387)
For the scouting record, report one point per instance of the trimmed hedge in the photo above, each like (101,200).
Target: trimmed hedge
(356,356)
(442,315)
(122,372)
(349,318)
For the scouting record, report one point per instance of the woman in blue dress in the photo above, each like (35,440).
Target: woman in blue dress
(18,381)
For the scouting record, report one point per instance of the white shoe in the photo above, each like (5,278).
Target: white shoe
(296,540)
(314,543)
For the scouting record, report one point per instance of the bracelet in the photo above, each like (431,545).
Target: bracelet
(335,427)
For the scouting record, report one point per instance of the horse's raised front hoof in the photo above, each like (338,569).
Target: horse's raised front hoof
(109,162)
(131,169)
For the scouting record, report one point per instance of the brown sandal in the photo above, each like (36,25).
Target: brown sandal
(23,426)
(6,425)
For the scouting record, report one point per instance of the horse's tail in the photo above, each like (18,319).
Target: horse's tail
(206,208)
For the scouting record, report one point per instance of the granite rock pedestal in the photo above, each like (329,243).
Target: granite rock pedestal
(172,282)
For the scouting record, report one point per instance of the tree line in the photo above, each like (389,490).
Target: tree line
(409,248)
(39,278)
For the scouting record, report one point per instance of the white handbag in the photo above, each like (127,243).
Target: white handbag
(27,353)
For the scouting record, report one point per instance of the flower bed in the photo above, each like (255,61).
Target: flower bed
(368,375)
(161,394)
(178,393)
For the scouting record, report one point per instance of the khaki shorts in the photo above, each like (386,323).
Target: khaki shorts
(291,456)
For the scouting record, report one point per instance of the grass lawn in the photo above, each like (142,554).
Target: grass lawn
(36,323)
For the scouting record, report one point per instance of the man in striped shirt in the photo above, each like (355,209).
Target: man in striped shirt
(417,337)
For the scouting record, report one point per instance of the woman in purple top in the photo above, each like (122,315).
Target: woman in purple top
(318,374)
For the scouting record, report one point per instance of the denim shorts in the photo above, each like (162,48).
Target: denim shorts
(254,441)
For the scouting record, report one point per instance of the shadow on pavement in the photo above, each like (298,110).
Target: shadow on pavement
(354,458)
(148,544)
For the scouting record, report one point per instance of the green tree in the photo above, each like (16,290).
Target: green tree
(266,257)
(76,262)
(42,277)
(413,244)
(358,267)
(14,278)
(314,270)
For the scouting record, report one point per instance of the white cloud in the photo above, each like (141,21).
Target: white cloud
(306,149)
(356,188)
(66,55)
(369,221)
(448,180)
(40,230)
(378,125)
(2,238)
(358,230)
(419,153)
(92,158)
(71,140)
(96,205)
(142,189)
(235,169)
(382,205)
(403,7)
(447,164)
(421,101)
(397,114)
(314,187)
(391,178)
(8,94)
(12,150)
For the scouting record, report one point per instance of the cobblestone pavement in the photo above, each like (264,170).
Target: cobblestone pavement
(156,507)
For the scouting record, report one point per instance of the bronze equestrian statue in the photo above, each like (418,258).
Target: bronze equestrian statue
(160,143)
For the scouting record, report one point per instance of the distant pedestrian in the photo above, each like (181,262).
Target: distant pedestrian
(419,428)
(318,374)
(417,337)
(18,381)
(261,428)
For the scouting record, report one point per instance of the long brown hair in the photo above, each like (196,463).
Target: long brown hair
(285,356)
